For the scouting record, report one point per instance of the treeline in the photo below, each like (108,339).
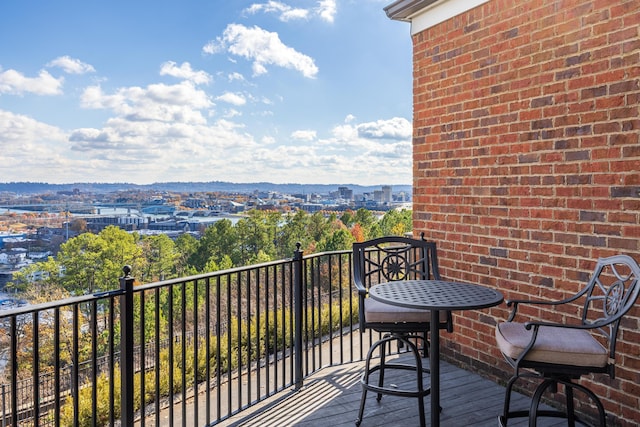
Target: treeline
(92,263)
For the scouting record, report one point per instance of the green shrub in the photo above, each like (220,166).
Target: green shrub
(318,323)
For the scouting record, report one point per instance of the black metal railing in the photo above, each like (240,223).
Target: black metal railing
(188,351)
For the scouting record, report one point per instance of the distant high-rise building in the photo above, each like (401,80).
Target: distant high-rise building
(345,193)
(387,194)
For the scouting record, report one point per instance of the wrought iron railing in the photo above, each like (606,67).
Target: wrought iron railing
(189,351)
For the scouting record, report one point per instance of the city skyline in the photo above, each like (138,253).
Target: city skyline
(312,92)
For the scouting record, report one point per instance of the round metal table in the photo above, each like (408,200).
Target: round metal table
(436,296)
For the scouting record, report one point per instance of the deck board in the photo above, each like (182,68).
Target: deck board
(331,398)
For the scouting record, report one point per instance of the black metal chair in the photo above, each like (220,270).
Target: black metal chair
(560,353)
(387,259)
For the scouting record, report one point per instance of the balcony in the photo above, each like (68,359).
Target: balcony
(256,345)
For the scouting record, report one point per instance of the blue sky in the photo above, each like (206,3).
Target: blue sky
(290,91)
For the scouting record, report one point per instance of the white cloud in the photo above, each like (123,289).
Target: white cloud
(232,112)
(168,103)
(14,82)
(345,132)
(154,151)
(71,65)
(165,128)
(311,162)
(304,135)
(263,48)
(235,76)
(17,131)
(185,72)
(347,155)
(232,98)
(188,152)
(32,150)
(395,128)
(327,10)
(373,143)
(285,12)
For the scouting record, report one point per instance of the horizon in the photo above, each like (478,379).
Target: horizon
(190,186)
(199,182)
(312,91)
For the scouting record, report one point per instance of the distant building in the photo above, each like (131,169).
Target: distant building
(11,238)
(194,203)
(345,193)
(387,194)
(125,222)
(311,207)
(159,210)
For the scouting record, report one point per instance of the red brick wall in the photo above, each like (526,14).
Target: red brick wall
(527,161)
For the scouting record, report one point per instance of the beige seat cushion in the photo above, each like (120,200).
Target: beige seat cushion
(379,312)
(553,345)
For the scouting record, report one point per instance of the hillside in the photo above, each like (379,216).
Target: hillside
(229,187)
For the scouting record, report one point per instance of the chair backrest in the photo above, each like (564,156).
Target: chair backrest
(393,258)
(611,292)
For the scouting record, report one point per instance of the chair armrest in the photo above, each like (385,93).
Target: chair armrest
(598,324)
(362,290)
(514,303)
(539,323)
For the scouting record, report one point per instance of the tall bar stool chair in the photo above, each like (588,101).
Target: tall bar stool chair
(385,259)
(560,353)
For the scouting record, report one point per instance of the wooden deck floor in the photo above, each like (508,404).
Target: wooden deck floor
(331,398)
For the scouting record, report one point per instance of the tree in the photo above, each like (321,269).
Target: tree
(337,241)
(78,225)
(256,233)
(90,262)
(121,249)
(219,240)
(396,222)
(357,233)
(81,259)
(348,218)
(319,227)
(186,246)
(40,281)
(160,255)
(293,231)
(367,221)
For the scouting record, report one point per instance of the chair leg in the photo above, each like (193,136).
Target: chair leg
(419,383)
(571,415)
(535,400)
(383,355)
(363,398)
(425,345)
(534,411)
(569,386)
(502,420)
(381,367)
(365,380)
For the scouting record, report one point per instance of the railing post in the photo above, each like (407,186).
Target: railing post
(297,315)
(4,406)
(126,348)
